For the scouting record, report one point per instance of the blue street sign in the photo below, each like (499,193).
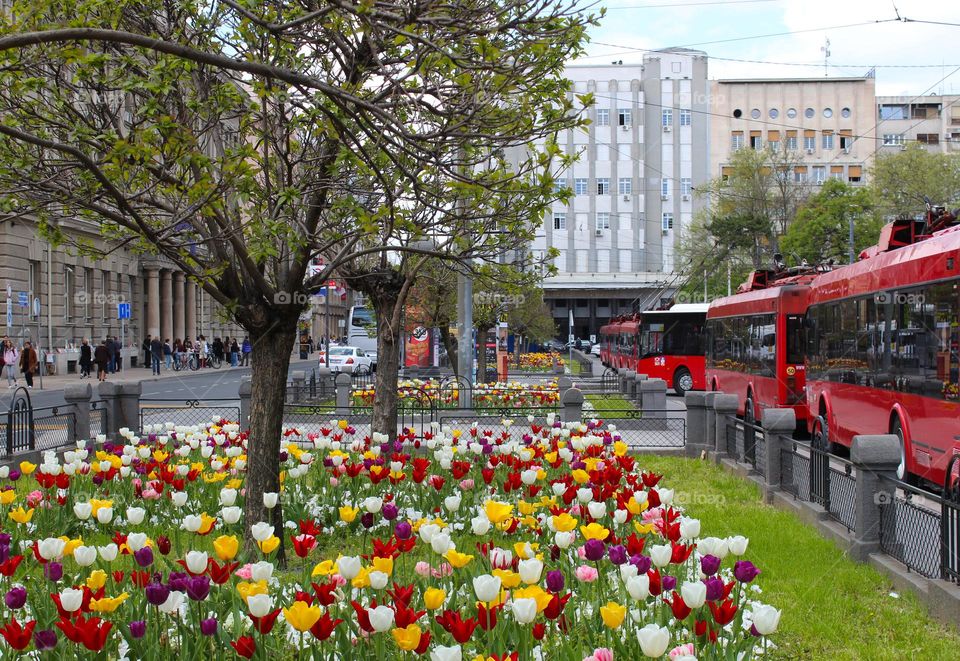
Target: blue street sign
(123,310)
(22,299)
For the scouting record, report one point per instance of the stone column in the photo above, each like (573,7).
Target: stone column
(78,396)
(166,305)
(724,406)
(711,420)
(244,393)
(571,406)
(638,381)
(179,306)
(778,425)
(153,302)
(190,297)
(873,458)
(629,390)
(344,386)
(696,402)
(653,394)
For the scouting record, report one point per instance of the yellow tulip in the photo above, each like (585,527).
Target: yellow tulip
(535,592)
(269,545)
(497,512)
(325,568)
(97,579)
(383,564)
(525,508)
(246,590)
(613,614)
(433,598)
(7,497)
(108,604)
(96,504)
(525,550)
(348,514)
(361,580)
(457,559)
(407,639)
(594,531)
(620,448)
(564,522)
(71,545)
(26,467)
(226,547)
(21,516)
(236,482)
(508,579)
(206,524)
(643,528)
(580,476)
(300,616)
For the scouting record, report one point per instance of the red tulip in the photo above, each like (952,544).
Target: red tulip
(324,627)
(245,646)
(16,636)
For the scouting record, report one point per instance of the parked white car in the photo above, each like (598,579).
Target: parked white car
(595,350)
(348,359)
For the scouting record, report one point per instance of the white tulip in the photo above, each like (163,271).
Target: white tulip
(4,472)
(192,523)
(105,515)
(270,499)
(597,509)
(559,488)
(738,544)
(427,531)
(501,558)
(666,496)
(714,546)
(378,580)
(620,516)
(261,531)
(85,555)
(259,605)
(172,604)
(197,562)
(381,618)
(765,619)
(135,515)
(261,571)
(51,548)
(564,539)
(452,503)
(529,476)
(108,552)
(584,495)
(653,640)
(628,571)
(480,525)
(442,653)
(689,528)
(373,504)
(486,587)
(349,566)
(661,554)
(179,498)
(530,570)
(524,610)
(441,543)
(638,587)
(694,593)
(230,514)
(228,497)
(71,600)
(136,541)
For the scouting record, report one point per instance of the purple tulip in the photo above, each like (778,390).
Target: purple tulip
(366,520)
(177,582)
(709,564)
(198,588)
(5,539)
(668,583)
(45,639)
(208,627)
(144,556)
(138,629)
(4,553)
(593,549)
(618,555)
(555,581)
(642,563)
(390,511)
(744,571)
(16,597)
(403,530)
(14,475)
(715,588)
(157,593)
(555,552)
(53,571)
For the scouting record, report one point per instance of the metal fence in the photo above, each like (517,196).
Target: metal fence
(813,475)
(745,443)
(26,428)
(187,412)
(98,419)
(316,418)
(644,429)
(911,529)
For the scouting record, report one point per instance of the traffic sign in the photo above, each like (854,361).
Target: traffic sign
(22,299)
(9,313)
(123,310)
(572,338)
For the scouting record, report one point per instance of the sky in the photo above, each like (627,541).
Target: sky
(857,41)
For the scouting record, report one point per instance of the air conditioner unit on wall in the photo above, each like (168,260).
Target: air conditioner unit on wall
(809,151)
(599,232)
(624,127)
(667,129)
(626,198)
(664,197)
(686,198)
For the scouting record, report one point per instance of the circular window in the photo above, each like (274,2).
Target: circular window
(828,113)
(809,113)
(755,113)
(845,113)
(791,113)
(774,113)
(738,113)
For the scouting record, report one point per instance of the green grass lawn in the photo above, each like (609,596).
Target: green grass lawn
(574,366)
(833,608)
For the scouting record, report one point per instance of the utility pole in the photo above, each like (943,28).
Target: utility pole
(465,333)
(850,216)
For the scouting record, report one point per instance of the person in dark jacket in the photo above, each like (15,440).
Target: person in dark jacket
(29,363)
(234,353)
(112,354)
(101,356)
(156,351)
(246,348)
(86,359)
(146,351)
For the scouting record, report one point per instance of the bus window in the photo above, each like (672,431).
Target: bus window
(795,339)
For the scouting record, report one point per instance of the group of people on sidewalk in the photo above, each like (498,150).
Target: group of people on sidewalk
(157,353)
(106,356)
(23,360)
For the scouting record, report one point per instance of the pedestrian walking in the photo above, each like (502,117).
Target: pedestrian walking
(245,349)
(156,352)
(118,354)
(310,344)
(146,350)
(234,353)
(101,356)
(112,353)
(10,358)
(167,353)
(86,359)
(29,364)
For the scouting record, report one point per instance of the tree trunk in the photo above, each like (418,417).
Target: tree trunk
(450,345)
(482,354)
(388,366)
(270,360)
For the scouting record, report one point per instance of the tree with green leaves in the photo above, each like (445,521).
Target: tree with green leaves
(242,140)
(902,180)
(821,230)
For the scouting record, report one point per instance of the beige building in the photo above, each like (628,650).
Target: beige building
(932,121)
(828,123)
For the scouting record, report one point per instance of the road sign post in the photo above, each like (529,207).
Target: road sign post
(41,359)
(123,313)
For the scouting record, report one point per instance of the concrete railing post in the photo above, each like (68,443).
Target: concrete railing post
(245,390)
(653,394)
(696,402)
(778,425)
(710,417)
(299,379)
(343,384)
(873,458)
(724,406)
(78,396)
(628,384)
(129,395)
(571,405)
(564,383)
(325,382)
(637,396)
(110,395)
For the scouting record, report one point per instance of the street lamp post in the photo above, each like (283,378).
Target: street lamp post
(851,217)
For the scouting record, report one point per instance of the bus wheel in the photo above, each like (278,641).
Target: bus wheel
(903,473)
(749,414)
(821,435)
(682,381)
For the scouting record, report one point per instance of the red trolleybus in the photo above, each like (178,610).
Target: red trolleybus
(884,345)
(671,346)
(619,343)
(755,343)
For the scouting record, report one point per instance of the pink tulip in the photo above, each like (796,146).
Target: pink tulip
(334,481)
(600,654)
(33,498)
(245,572)
(683,650)
(423,568)
(150,494)
(443,570)
(586,574)
(338,580)
(582,552)
(652,515)
(466,485)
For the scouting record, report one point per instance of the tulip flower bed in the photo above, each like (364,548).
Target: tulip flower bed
(418,393)
(545,542)
(536,362)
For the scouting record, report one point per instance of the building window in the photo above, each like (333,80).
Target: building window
(755,113)
(559,185)
(603,117)
(104,293)
(88,286)
(686,117)
(800,174)
(603,186)
(928,138)
(836,172)
(665,187)
(736,140)
(580,186)
(809,142)
(625,186)
(756,142)
(666,221)
(809,113)
(68,292)
(666,117)
(774,113)
(623,117)
(675,67)
(559,220)
(828,112)
(828,140)
(792,143)
(898,111)
(686,186)
(855,174)
(603,221)
(792,113)
(819,173)
(845,113)
(846,142)
(892,139)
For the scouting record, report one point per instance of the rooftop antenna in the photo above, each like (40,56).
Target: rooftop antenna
(825,49)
